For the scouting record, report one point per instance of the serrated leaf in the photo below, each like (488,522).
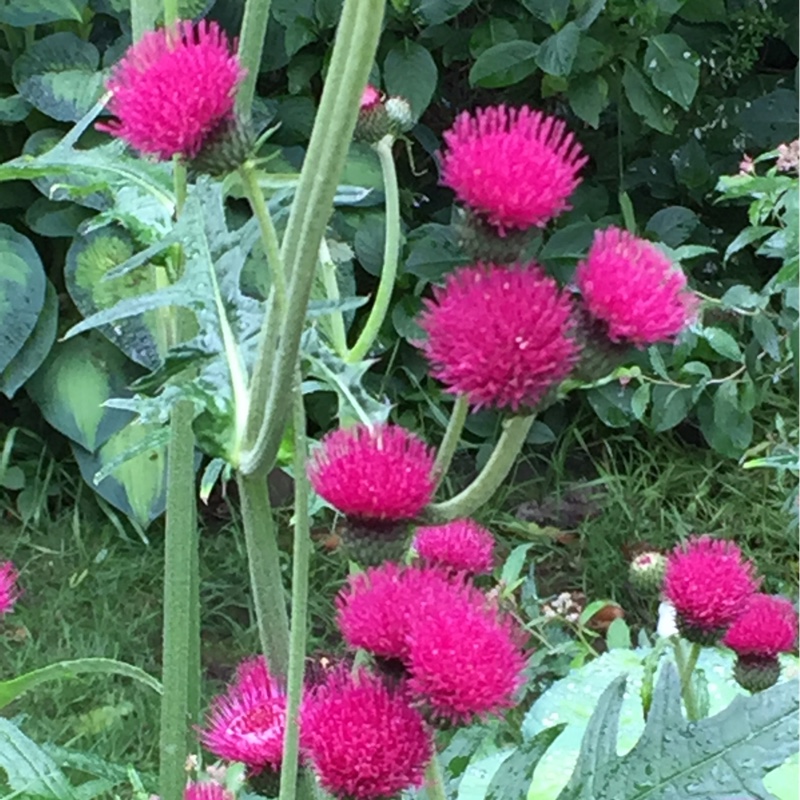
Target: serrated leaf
(22,291)
(645,102)
(409,71)
(504,64)
(673,67)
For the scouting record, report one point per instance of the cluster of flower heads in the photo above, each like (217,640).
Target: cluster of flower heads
(714,591)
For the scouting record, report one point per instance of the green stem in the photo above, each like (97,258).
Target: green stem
(266,581)
(329,279)
(494,472)
(170,13)
(391,249)
(351,61)
(179,545)
(434,780)
(143,16)
(452,436)
(269,236)
(251,45)
(685,669)
(301,557)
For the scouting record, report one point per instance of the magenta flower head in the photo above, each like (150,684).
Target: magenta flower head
(514,167)
(247,722)
(370,97)
(461,546)
(632,287)
(376,608)
(502,336)
(465,659)
(379,472)
(364,740)
(206,791)
(9,590)
(709,582)
(174,89)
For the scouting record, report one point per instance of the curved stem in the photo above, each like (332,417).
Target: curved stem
(263,561)
(452,436)
(391,249)
(353,54)
(434,780)
(491,476)
(685,669)
(251,45)
(297,641)
(328,268)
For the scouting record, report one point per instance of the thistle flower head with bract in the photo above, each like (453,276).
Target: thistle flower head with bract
(461,545)
(502,336)
(174,89)
(207,790)
(514,166)
(766,627)
(632,287)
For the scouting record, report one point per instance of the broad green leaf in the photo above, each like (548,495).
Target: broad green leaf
(55,220)
(137,486)
(72,384)
(435,12)
(767,336)
(570,243)
(512,780)
(89,260)
(13,108)
(741,296)
(59,76)
(557,53)
(612,403)
(553,12)
(433,251)
(588,97)
(490,33)
(504,64)
(409,71)
(673,225)
(22,291)
(748,236)
(673,67)
(10,690)
(589,11)
(36,347)
(771,119)
(723,343)
(671,406)
(724,423)
(22,13)
(645,102)
(29,771)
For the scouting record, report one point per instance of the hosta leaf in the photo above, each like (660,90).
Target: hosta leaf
(22,292)
(714,758)
(22,13)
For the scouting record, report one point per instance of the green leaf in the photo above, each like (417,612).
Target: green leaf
(569,243)
(409,71)
(10,690)
(741,296)
(673,225)
(723,343)
(490,33)
(22,13)
(557,53)
(72,384)
(90,259)
(58,76)
(30,772)
(22,291)
(589,11)
(640,401)
(504,64)
(767,336)
(434,12)
(30,357)
(612,403)
(674,758)
(513,779)
(618,636)
(433,251)
(137,486)
(13,108)
(673,67)
(645,102)
(671,405)
(748,236)
(588,97)
(725,425)
(55,220)
(771,119)
(553,12)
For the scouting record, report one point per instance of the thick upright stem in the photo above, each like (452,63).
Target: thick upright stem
(330,281)
(434,780)
(452,436)
(180,545)
(686,668)
(251,45)
(266,581)
(143,16)
(351,61)
(301,557)
(391,249)
(491,476)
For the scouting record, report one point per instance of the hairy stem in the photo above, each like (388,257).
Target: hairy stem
(251,45)
(434,780)
(328,268)
(391,249)
(351,61)
(263,560)
(452,436)
(494,472)
(685,670)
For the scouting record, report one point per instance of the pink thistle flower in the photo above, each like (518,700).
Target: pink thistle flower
(766,627)
(364,740)
(370,98)
(247,722)
(516,167)
(380,472)
(206,791)
(465,659)
(630,285)
(709,582)
(461,545)
(500,335)
(9,591)
(376,608)
(173,89)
